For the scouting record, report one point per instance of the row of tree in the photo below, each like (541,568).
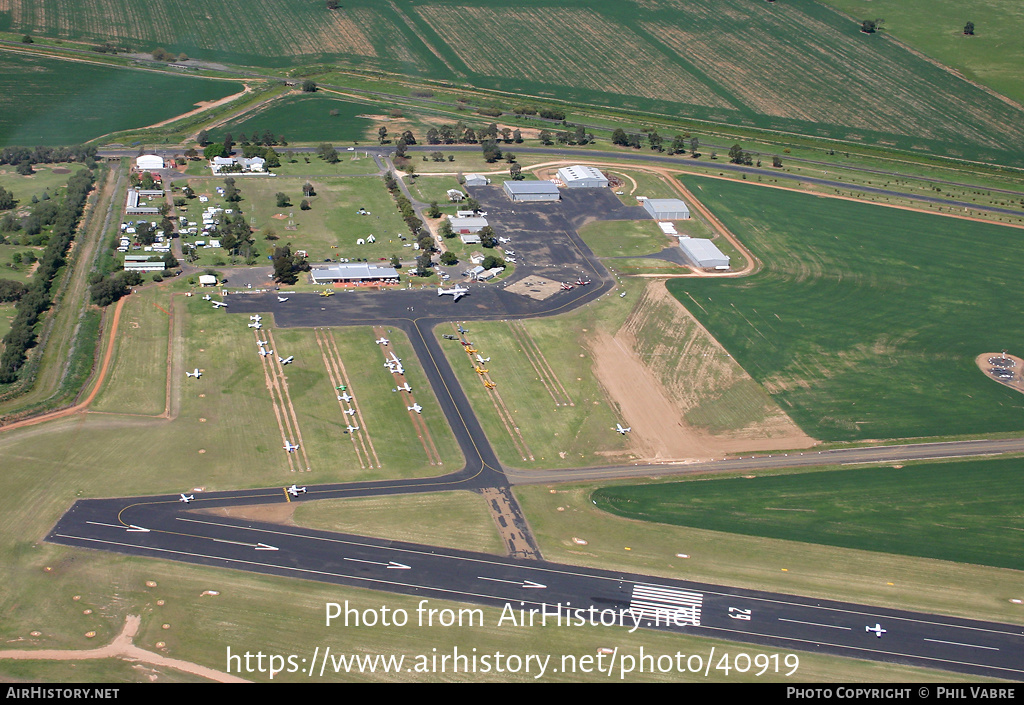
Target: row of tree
(48,155)
(38,297)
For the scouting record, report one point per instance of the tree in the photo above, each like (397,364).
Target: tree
(545,137)
(382,134)
(304,205)
(287,265)
(282,200)
(308,190)
(869,26)
(516,171)
(203,138)
(7,200)
(215,150)
(487,237)
(736,154)
(619,137)
(25,168)
(27,40)
(694,146)
(309,86)
(332,4)
(969,29)
(230,192)
(449,258)
(492,152)
(777,162)
(435,210)
(517,136)
(445,230)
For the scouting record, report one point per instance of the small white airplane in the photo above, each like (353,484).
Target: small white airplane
(482,360)
(207,297)
(282,299)
(404,388)
(194,373)
(256,318)
(285,360)
(345,397)
(219,304)
(456,292)
(261,343)
(623,430)
(288,446)
(415,407)
(395,364)
(296,491)
(382,341)
(257,325)
(350,412)
(264,352)
(503,240)
(186,498)
(352,428)
(877,629)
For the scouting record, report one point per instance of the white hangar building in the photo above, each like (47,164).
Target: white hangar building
(580,176)
(148,162)
(667,209)
(704,253)
(522,191)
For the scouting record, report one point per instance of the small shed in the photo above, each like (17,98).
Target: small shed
(476,180)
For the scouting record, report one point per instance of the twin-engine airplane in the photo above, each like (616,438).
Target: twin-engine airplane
(456,292)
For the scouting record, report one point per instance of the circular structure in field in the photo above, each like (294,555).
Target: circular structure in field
(1002,368)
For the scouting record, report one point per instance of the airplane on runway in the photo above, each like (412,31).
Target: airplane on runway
(282,299)
(288,446)
(186,499)
(404,388)
(264,352)
(296,491)
(219,304)
(482,360)
(194,373)
(456,292)
(415,407)
(285,360)
(623,430)
(345,397)
(326,292)
(352,428)
(877,629)
(382,341)
(256,318)
(257,325)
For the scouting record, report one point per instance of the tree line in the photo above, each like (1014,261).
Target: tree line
(38,297)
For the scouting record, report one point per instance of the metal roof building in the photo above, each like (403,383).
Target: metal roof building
(519,191)
(467,225)
(147,162)
(703,253)
(476,180)
(667,209)
(580,176)
(353,272)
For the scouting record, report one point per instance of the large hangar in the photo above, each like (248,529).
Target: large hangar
(354,273)
(521,191)
(703,253)
(581,176)
(667,209)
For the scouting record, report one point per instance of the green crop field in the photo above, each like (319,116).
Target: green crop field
(994,56)
(797,66)
(965,512)
(53,102)
(866,320)
(306,118)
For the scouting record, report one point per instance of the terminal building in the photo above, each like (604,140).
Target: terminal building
(354,273)
(667,209)
(703,253)
(525,191)
(580,176)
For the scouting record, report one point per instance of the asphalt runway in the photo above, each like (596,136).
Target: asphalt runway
(546,242)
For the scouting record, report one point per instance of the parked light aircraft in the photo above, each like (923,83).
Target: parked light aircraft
(482,360)
(415,407)
(219,304)
(352,428)
(256,318)
(194,373)
(285,360)
(404,388)
(350,412)
(382,341)
(288,446)
(326,292)
(296,491)
(582,282)
(186,499)
(207,298)
(456,292)
(877,630)
(282,299)
(257,325)
(261,343)
(489,384)
(623,431)
(566,286)
(396,364)
(462,330)
(345,397)
(264,352)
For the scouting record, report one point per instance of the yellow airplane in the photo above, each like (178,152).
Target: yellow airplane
(489,384)
(481,371)
(471,350)
(326,292)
